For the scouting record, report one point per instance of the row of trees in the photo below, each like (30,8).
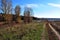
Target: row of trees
(7,9)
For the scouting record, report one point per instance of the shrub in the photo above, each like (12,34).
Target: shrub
(8,18)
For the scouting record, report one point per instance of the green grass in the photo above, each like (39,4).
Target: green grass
(30,31)
(34,34)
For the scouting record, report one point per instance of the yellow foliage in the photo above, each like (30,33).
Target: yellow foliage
(8,17)
(18,19)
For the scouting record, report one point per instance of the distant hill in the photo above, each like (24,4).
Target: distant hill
(53,19)
(49,19)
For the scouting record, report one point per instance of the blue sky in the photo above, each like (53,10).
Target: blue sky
(41,8)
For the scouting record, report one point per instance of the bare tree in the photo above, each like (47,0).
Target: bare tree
(28,14)
(3,5)
(6,6)
(17,11)
(9,7)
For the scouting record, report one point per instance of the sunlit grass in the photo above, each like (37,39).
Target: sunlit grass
(31,31)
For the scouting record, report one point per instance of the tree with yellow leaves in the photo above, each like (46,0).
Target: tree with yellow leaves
(17,11)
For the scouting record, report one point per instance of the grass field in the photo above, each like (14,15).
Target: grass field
(30,31)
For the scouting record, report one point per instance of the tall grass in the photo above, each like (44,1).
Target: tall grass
(30,31)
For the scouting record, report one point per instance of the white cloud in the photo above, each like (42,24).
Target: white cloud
(33,5)
(30,5)
(54,5)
